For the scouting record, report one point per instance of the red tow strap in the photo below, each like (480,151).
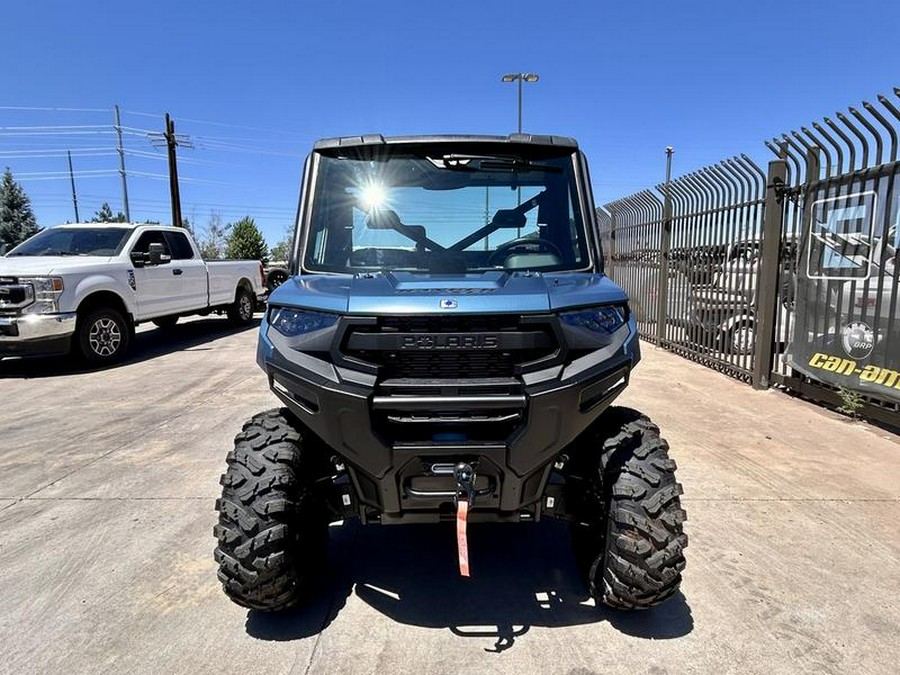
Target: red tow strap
(462,514)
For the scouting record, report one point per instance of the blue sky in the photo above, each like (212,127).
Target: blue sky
(254,84)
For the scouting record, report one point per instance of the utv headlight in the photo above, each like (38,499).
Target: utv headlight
(45,292)
(294,322)
(606,319)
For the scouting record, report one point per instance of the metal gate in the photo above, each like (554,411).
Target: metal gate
(780,277)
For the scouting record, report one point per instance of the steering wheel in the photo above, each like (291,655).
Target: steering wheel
(541,244)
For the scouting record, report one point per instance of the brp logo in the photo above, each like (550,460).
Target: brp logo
(449,303)
(858,340)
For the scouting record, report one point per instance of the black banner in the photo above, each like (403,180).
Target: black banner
(846,326)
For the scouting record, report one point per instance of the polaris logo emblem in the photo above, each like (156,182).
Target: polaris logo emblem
(450,341)
(449,303)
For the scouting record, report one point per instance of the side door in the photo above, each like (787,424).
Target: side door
(155,285)
(189,272)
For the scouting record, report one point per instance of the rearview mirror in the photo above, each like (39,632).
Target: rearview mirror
(383,219)
(508,218)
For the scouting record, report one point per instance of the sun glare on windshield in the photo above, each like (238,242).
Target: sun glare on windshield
(373,196)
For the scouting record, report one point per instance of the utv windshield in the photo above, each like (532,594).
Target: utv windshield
(443,212)
(99,241)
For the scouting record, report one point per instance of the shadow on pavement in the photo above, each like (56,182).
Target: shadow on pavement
(521,577)
(145,345)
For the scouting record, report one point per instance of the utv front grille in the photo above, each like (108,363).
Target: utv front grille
(451,347)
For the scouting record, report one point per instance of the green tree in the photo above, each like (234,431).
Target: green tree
(246,241)
(17,221)
(281,251)
(105,215)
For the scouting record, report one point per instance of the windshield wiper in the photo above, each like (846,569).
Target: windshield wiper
(493,163)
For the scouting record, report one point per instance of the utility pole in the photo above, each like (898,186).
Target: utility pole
(171,144)
(172,141)
(72,180)
(121,150)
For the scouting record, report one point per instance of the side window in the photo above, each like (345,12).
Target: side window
(151,237)
(179,245)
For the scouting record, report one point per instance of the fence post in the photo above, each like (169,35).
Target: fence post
(665,238)
(611,256)
(767,295)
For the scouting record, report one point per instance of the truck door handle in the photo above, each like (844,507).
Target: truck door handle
(177,272)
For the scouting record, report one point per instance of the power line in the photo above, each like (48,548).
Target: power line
(25,107)
(182,160)
(57,154)
(221,124)
(25,151)
(54,126)
(55,133)
(66,173)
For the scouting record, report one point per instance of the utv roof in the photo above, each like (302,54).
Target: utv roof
(372,141)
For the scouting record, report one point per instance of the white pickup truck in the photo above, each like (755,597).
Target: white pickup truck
(83,288)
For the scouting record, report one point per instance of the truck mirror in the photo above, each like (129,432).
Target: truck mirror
(155,254)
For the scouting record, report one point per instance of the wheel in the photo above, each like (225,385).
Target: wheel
(103,335)
(240,312)
(166,322)
(632,538)
(275,279)
(273,529)
(740,339)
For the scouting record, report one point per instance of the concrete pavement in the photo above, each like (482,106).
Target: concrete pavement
(106,515)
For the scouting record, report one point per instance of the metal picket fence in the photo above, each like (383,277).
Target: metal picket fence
(776,276)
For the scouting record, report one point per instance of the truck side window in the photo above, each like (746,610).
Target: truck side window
(151,237)
(179,245)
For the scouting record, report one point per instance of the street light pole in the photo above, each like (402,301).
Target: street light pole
(520,105)
(519,78)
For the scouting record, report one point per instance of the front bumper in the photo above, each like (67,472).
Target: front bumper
(36,334)
(346,408)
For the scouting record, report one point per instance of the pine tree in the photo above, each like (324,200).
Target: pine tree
(246,241)
(105,215)
(17,221)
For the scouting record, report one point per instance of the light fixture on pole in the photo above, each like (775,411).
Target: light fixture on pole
(520,78)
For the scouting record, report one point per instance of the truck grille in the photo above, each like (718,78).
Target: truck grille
(459,346)
(13,295)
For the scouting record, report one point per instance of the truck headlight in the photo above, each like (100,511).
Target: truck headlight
(45,292)
(606,319)
(294,322)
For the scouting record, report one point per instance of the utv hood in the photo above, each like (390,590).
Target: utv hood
(477,293)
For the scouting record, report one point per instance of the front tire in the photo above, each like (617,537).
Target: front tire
(240,312)
(103,336)
(633,538)
(273,529)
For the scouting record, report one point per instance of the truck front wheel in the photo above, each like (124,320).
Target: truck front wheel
(633,538)
(273,529)
(103,335)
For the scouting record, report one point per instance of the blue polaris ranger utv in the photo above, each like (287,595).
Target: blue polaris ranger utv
(447,349)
